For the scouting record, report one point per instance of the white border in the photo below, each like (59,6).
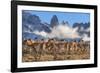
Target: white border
(53,63)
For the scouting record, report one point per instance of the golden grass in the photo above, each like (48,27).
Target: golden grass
(31,55)
(52,57)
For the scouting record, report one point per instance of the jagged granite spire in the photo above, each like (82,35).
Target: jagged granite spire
(54,21)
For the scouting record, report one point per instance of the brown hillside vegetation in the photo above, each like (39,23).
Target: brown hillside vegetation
(52,50)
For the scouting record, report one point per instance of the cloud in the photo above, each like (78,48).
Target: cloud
(60,31)
(42,33)
(85,30)
(85,37)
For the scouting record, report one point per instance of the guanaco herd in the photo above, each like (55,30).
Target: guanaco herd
(54,47)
